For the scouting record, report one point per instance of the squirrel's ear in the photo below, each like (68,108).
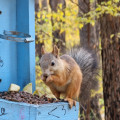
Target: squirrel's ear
(43,50)
(55,51)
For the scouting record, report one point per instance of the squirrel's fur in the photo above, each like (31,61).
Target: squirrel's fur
(88,63)
(73,75)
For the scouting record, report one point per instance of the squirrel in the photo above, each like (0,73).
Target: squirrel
(73,74)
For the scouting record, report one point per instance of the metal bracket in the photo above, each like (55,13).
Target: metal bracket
(16,36)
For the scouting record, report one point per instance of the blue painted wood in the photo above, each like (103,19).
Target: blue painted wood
(22,111)
(17,60)
(26,52)
(8,50)
(32,45)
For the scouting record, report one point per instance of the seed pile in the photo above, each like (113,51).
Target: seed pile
(27,98)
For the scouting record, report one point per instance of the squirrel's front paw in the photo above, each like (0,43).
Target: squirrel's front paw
(71,102)
(49,79)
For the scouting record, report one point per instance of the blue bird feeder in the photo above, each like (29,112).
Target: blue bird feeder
(17,59)
(17,64)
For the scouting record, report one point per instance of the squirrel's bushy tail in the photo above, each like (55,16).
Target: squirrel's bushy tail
(88,62)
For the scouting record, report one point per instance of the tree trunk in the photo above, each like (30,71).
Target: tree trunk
(36,5)
(37,8)
(111,65)
(89,35)
(56,34)
(44,4)
(89,38)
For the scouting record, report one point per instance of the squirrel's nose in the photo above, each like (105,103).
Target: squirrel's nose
(45,75)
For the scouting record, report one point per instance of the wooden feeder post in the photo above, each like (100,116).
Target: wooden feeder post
(17,59)
(17,64)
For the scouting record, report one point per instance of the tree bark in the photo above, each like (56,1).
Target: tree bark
(56,34)
(111,65)
(44,4)
(37,8)
(89,38)
(89,35)
(36,5)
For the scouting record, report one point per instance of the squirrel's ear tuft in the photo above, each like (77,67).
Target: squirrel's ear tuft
(55,51)
(43,50)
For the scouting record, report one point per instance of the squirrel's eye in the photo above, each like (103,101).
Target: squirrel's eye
(52,63)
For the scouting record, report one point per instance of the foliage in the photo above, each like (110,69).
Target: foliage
(71,22)
(68,24)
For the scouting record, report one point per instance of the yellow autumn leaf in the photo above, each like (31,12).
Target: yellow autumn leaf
(80,25)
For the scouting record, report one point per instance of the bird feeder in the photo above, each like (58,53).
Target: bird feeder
(17,64)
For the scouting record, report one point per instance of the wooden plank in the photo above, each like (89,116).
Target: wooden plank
(8,59)
(32,45)
(17,60)
(26,52)
(22,111)
(13,111)
(57,111)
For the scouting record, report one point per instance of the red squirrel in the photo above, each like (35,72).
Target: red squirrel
(61,74)
(74,74)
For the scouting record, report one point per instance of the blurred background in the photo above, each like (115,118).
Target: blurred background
(69,23)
